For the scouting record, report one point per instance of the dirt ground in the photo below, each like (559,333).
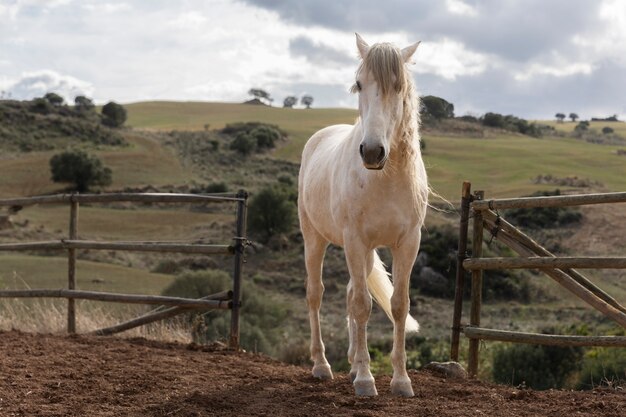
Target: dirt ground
(49,375)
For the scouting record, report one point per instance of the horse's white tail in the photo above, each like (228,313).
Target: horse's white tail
(381,289)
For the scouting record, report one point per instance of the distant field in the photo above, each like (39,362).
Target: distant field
(23,271)
(144,162)
(299,123)
(502,166)
(568,126)
(505,166)
(132,224)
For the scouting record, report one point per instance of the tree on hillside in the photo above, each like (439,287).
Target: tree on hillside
(573,116)
(113,114)
(494,120)
(271,212)
(290,101)
(260,94)
(437,107)
(307,100)
(83,104)
(559,117)
(79,168)
(54,99)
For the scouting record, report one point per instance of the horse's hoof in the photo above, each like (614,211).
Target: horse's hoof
(322,372)
(402,387)
(352,376)
(365,388)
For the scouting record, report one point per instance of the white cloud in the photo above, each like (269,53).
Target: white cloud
(107,7)
(187,20)
(448,59)
(562,70)
(37,84)
(460,8)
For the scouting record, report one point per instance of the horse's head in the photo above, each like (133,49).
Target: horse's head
(381,82)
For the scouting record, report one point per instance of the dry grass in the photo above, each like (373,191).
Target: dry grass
(50,316)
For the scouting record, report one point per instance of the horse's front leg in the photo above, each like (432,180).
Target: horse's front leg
(360,262)
(403,260)
(314,249)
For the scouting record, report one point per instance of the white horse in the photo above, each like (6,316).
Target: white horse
(363,187)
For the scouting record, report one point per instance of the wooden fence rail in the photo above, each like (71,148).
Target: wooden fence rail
(230,299)
(533,256)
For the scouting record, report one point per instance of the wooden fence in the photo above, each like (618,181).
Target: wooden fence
(485,216)
(224,300)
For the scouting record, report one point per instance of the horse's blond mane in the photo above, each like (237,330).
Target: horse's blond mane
(386,64)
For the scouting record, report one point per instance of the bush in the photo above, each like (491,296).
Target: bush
(113,114)
(244,143)
(434,273)
(41,106)
(253,136)
(603,366)
(271,212)
(539,367)
(494,120)
(607,130)
(261,317)
(80,169)
(544,217)
(54,99)
(437,107)
(265,136)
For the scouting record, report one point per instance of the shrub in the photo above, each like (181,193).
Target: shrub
(434,273)
(603,366)
(437,107)
(244,143)
(54,99)
(271,212)
(113,114)
(265,136)
(544,217)
(41,106)
(260,320)
(607,130)
(538,367)
(493,120)
(80,169)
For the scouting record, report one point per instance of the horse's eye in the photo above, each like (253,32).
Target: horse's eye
(358,86)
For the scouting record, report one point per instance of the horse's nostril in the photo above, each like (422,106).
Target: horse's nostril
(381,154)
(361,150)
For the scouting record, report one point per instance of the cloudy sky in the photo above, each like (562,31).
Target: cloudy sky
(531,58)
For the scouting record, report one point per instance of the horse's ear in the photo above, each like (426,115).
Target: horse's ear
(408,52)
(362,45)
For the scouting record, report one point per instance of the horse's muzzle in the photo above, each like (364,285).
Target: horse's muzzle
(374,157)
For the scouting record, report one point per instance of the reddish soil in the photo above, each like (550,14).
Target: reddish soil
(48,375)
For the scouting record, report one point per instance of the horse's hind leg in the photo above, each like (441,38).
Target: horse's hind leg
(314,249)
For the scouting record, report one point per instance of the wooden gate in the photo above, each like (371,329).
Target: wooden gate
(230,299)
(485,216)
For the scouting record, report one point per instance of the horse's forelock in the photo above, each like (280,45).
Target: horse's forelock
(384,61)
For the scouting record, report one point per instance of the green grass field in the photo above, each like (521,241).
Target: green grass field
(19,271)
(144,162)
(503,166)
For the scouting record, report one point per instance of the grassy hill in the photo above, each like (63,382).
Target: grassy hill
(502,165)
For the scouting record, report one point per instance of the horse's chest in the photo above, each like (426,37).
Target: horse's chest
(383,222)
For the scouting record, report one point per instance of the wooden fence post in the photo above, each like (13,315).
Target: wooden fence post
(466,198)
(71,267)
(240,247)
(477,286)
